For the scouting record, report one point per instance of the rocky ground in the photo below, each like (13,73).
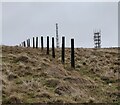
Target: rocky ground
(31,76)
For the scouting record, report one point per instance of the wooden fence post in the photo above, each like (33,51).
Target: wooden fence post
(72,54)
(47,45)
(29,42)
(33,42)
(53,49)
(63,50)
(42,42)
(24,44)
(36,42)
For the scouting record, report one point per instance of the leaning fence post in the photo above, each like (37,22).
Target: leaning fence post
(33,42)
(42,42)
(48,45)
(72,54)
(63,49)
(36,42)
(53,49)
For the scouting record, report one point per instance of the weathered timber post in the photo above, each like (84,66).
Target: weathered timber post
(42,42)
(24,44)
(63,50)
(36,42)
(47,45)
(29,42)
(53,49)
(33,42)
(72,54)
(21,44)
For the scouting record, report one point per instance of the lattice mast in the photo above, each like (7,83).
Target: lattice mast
(57,37)
(97,39)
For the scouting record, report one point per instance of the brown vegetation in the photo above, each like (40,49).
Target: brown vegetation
(31,76)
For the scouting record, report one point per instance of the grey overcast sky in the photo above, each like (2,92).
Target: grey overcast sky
(76,20)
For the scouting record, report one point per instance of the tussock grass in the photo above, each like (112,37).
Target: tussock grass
(31,76)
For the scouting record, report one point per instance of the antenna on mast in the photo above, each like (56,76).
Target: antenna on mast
(57,37)
(97,38)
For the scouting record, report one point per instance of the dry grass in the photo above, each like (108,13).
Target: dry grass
(31,76)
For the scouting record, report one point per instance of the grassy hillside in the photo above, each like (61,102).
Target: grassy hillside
(31,76)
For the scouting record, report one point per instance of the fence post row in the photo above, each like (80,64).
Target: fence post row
(33,42)
(72,54)
(24,44)
(53,49)
(42,42)
(47,45)
(36,42)
(63,49)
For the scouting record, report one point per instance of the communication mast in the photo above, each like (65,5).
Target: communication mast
(97,39)
(57,37)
